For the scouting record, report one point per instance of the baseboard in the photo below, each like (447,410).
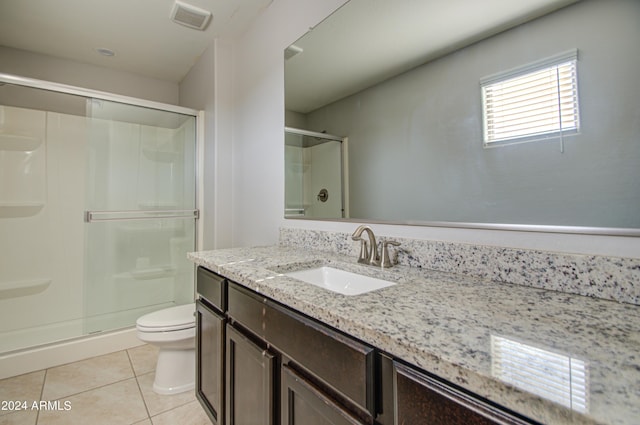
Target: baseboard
(30,360)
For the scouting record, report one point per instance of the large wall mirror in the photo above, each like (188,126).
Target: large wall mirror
(520,115)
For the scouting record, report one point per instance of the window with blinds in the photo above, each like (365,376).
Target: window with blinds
(534,102)
(554,376)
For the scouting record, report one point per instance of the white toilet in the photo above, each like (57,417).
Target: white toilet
(173,331)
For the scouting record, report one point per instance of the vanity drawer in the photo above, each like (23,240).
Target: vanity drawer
(212,287)
(247,308)
(344,364)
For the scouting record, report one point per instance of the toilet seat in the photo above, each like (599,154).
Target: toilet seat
(168,319)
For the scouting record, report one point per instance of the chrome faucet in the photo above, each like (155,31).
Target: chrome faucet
(369,252)
(367,255)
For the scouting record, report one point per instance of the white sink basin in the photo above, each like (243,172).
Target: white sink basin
(340,281)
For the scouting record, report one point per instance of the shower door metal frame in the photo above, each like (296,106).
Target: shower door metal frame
(79,91)
(91,216)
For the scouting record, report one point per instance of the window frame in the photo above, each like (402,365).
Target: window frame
(521,71)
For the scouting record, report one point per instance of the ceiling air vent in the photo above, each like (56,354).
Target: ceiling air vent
(190,16)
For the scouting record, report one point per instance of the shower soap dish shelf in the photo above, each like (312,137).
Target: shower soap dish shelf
(20,288)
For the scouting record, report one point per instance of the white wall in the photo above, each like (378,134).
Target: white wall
(208,87)
(197,91)
(258,116)
(258,167)
(43,67)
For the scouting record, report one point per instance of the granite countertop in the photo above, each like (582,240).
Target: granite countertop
(497,340)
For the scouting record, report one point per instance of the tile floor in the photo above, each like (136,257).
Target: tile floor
(106,390)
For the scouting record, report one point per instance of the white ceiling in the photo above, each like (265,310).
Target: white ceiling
(145,40)
(368,41)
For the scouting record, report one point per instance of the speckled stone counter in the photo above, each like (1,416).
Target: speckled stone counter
(465,329)
(611,278)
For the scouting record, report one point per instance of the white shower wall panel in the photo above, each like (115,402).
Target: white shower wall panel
(22,157)
(66,176)
(130,264)
(294,179)
(113,159)
(44,243)
(160,177)
(326,174)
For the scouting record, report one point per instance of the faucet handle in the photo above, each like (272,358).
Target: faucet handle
(385,261)
(364,251)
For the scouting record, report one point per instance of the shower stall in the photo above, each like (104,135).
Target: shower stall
(97,211)
(316,175)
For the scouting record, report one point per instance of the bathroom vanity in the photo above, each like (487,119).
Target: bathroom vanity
(436,348)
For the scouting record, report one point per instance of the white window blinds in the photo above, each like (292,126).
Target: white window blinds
(533,102)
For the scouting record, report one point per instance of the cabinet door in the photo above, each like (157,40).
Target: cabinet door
(304,404)
(210,361)
(423,400)
(344,364)
(249,385)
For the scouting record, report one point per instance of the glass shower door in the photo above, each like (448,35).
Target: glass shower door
(316,175)
(140,213)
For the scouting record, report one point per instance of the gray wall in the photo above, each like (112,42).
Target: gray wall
(416,140)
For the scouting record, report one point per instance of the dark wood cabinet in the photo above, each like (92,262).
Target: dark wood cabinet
(302,403)
(210,343)
(338,364)
(213,288)
(345,366)
(250,385)
(262,363)
(385,402)
(421,399)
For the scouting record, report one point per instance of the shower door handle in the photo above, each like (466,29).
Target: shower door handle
(94,216)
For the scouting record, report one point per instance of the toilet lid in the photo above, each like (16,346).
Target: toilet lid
(172,318)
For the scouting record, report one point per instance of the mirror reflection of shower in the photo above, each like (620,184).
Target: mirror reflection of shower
(316,175)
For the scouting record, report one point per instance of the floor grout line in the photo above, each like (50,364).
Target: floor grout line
(146,414)
(44,380)
(173,408)
(144,400)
